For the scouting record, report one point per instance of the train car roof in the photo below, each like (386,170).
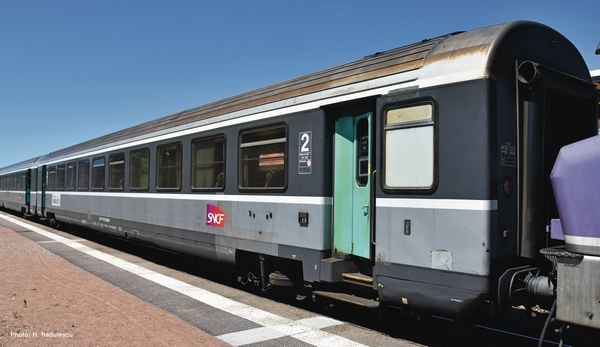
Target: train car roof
(22,166)
(446,59)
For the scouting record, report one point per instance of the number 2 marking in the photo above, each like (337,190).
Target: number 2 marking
(306,139)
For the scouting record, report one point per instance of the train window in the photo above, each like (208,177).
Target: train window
(409,151)
(60,177)
(98,173)
(116,171)
(168,172)
(23,181)
(263,159)
(362,152)
(83,175)
(51,185)
(208,163)
(71,174)
(139,175)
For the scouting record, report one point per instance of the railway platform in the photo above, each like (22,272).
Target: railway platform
(48,301)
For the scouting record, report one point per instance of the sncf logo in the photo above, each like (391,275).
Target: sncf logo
(215,217)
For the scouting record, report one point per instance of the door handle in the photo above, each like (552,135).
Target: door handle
(366,208)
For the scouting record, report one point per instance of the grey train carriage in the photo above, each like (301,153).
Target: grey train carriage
(418,176)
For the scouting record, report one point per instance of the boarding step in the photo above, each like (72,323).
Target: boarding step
(347,298)
(358,279)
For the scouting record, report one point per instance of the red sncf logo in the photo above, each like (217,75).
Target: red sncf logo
(215,217)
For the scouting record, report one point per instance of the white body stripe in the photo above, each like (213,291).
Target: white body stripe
(276,199)
(440,204)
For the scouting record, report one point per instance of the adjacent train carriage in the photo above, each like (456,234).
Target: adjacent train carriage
(419,174)
(20,187)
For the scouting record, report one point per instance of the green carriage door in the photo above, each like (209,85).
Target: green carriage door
(351,186)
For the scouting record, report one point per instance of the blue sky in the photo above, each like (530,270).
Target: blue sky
(72,70)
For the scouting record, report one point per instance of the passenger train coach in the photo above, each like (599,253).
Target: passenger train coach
(418,174)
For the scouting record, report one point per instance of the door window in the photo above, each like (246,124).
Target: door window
(362,152)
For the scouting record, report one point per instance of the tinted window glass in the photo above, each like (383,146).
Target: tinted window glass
(98,173)
(263,158)
(208,163)
(140,169)
(169,167)
(116,171)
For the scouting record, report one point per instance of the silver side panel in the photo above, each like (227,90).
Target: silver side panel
(14,200)
(261,224)
(451,235)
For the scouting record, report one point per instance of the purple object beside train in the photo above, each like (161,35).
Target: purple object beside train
(575,180)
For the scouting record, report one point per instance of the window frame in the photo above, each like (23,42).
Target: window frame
(116,171)
(71,176)
(387,128)
(256,143)
(94,173)
(214,164)
(51,177)
(83,176)
(178,167)
(60,181)
(137,175)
